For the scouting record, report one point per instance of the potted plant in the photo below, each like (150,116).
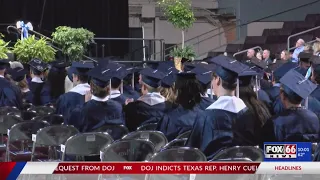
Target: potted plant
(4,49)
(179,13)
(178,53)
(73,41)
(30,48)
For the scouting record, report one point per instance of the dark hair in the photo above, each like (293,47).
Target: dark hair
(250,99)
(226,85)
(115,83)
(98,91)
(317,77)
(56,82)
(188,92)
(83,78)
(204,88)
(292,98)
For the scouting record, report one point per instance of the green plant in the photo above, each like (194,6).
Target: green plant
(186,52)
(73,41)
(30,48)
(4,49)
(179,13)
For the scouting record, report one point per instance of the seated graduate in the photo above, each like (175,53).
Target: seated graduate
(295,124)
(18,75)
(76,96)
(129,84)
(213,129)
(182,117)
(204,77)
(249,129)
(54,85)
(37,73)
(10,95)
(98,110)
(315,78)
(68,84)
(151,106)
(167,86)
(117,85)
(304,62)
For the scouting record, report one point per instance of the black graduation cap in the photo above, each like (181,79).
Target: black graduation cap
(169,79)
(282,70)
(228,69)
(204,75)
(17,74)
(152,77)
(184,60)
(245,77)
(293,83)
(81,67)
(305,57)
(166,66)
(100,76)
(315,60)
(152,64)
(186,75)
(4,63)
(38,66)
(58,65)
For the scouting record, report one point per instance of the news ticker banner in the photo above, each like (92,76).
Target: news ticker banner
(12,170)
(287,151)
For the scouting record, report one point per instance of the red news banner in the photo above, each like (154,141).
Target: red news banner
(156,168)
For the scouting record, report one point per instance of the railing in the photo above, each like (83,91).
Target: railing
(300,33)
(244,51)
(41,35)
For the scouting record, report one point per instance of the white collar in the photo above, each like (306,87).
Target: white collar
(25,90)
(81,89)
(99,99)
(36,79)
(228,103)
(204,95)
(1,76)
(114,94)
(152,98)
(277,85)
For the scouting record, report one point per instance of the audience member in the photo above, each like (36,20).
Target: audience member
(266,57)
(259,55)
(299,48)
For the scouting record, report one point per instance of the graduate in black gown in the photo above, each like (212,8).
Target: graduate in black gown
(183,116)
(54,85)
(75,97)
(129,83)
(315,78)
(204,76)
(116,92)
(249,129)
(295,124)
(99,109)
(10,95)
(37,72)
(213,129)
(304,62)
(167,86)
(18,75)
(151,106)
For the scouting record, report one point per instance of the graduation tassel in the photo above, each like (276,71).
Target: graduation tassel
(306,103)
(211,92)
(121,87)
(132,81)
(109,89)
(257,88)
(237,88)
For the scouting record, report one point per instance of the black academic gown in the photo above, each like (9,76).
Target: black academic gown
(10,95)
(177,121)
(316,93)
(118,97)
(130,93)
(206,102)
(95,114)
(46,95)
(36,89)
(273,92)
(70,100)
(27,96)
(264,97)
(147,109)
(293,125)
(213,129)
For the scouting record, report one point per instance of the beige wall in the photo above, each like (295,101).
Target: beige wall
(256,28)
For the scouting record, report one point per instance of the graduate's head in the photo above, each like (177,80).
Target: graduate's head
(38,68)
(167,86)
(224,81)
(56,77)
(315,77)
(305,60)
(294,89)
(204,76)
(4,64)
(18,75)
(150,80)
(79,71)
(188,90)
(282,70)
(100,81)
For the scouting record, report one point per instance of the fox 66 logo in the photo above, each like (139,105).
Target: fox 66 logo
(283,151)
